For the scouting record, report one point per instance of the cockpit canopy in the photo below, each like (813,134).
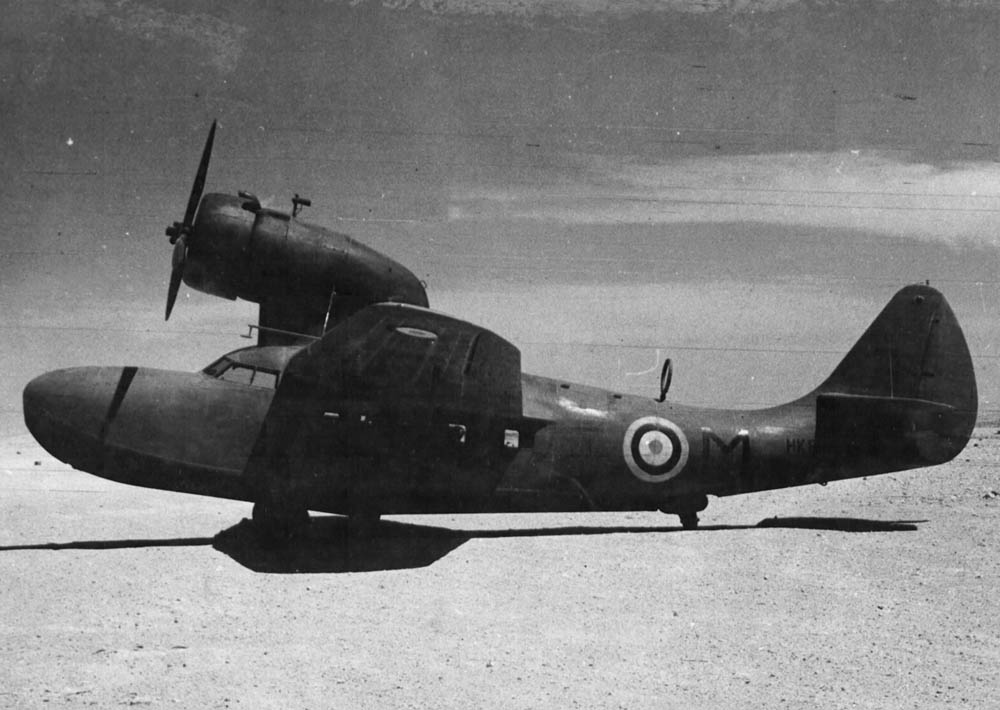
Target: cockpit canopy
(255,366)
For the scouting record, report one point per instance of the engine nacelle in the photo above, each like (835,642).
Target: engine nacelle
(238,249)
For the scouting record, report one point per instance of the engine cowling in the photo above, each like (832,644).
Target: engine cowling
(305,277)
(238,249)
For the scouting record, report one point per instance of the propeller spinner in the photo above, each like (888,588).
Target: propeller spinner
(180,231)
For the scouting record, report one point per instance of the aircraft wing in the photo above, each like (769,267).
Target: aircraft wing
(396,404)
(291,320)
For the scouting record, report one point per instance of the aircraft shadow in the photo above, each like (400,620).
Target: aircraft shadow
(856,525)
(329,547)
(112,544)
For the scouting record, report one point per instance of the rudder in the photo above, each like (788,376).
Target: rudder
(904,396)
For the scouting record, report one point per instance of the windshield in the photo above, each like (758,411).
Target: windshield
(227,369)
(257,366)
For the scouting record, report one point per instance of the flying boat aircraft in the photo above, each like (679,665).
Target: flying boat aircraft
(360,400)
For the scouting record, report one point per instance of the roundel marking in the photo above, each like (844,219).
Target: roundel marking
(655,449)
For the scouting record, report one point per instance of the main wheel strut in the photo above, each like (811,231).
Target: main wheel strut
(687,508)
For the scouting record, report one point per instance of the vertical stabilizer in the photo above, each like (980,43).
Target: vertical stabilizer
(904,396)
(914,349)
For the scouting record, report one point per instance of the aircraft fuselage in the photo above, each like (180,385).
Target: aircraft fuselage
(405,410)
(599,450)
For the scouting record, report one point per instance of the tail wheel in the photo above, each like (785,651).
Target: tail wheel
(689,520)
(687,508)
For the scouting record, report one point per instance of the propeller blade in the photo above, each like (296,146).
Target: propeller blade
(176,273)
(199,178)
(179,231)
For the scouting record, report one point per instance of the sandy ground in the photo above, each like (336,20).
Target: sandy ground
(877,593)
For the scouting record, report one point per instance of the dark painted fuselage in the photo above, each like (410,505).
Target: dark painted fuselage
(903,397)
(193,433)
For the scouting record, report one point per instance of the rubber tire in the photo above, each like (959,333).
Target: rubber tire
(689,520)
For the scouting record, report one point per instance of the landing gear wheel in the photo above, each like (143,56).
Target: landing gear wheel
(279,523)
(689,521)
(687,508)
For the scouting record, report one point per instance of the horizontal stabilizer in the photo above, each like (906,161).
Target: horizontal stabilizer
(882,434)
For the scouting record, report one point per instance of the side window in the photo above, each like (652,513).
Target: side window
(230,371)
(238,373)
(217,368)
(265,379)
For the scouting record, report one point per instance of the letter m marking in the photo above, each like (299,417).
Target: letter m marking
(742,439)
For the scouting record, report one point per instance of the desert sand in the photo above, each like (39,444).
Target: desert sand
(869,593)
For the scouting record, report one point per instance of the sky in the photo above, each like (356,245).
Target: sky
(740,186)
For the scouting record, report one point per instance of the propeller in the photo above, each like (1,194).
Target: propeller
(180,231)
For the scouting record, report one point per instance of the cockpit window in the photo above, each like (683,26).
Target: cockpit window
(218,367)
(226,369)
(264,378)
(238,373)
(257,366)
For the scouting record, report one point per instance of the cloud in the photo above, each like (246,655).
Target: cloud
(855,190)
(571,8)
(223,40)
(733,343)
(562,8)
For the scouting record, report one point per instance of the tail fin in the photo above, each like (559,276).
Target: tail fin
(903,397)
(915,349)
